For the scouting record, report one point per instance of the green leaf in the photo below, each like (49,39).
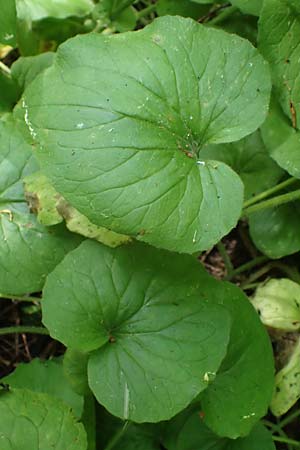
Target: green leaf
(279,39)
(89,420)
(8,27)
(39,9)
(34,421)
(278,304)
(188,432)
(28,251)
(250,160)
(142,312)
(282,140)
(248,6)
(46,377)
(118,15)
(127,97)
(243,388)
(275,231)
(51,209)
(25,69)
(139,437)
(287,384)
(183,8)
(75,370)
(9,92)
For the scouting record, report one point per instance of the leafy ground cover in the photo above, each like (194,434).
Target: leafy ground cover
(149,239)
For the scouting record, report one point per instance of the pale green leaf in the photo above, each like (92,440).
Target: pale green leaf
(34,421)
(36,10)
(122,119)
(51,209)
(278,304)
(143,313)
(287,384)
(46,377)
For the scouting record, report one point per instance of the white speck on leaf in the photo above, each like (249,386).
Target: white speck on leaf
(248,416)
(126,401)
(194,237)
(27,121)
(200,163)
(80,125)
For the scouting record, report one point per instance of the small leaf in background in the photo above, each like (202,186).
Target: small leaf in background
(275,231)
(51,209)
(75,370)
(127,96)
(248,6)
(279,39)
(9,91)
(117,15)
(28,251)
(278,304)
(25,69)
(188,432)
(46,377)
(184,8)
(143,312)
(34,421)
(8,25)
(241,392)
(287,384)
(250,160)
(282,140)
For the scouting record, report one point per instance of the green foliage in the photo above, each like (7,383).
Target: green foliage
(125,152)
(35,421)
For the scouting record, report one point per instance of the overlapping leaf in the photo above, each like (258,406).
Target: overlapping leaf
(250,160)
(8,27)
(242,390)
(188,432)
(46,377)
(122,119)
(279,42)
(28,251)
(142,312)
(33,421)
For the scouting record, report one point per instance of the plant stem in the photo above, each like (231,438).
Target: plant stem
(223,15)
(144,12)
(269,192)
(4,68)
(275,201)
(284,422)
(286,440)
(117,436)
(24,329)
(228,264)
(247,266)
(19,298)
(259,273)
(246,287)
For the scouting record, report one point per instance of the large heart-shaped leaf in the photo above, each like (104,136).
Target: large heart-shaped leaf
(188,432)
(155,338)
(32,421)
(249,158)
(46,377)
(28,250)
(279,42)
(242,390)
(122,119)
